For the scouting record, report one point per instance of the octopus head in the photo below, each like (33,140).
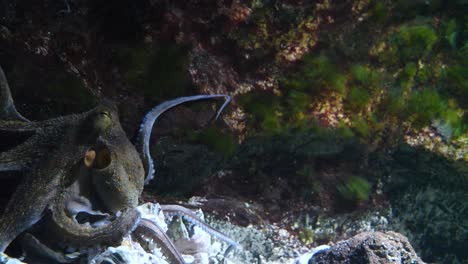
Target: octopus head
(114,166)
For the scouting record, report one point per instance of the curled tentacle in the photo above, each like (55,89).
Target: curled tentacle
(151,230)
(148,122)
(194,219)
(76,234)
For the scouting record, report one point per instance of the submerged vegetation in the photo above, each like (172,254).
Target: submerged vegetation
(355,189)
(415,77)
(217,141)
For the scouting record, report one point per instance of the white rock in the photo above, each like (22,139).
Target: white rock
(5,259)
(304,259)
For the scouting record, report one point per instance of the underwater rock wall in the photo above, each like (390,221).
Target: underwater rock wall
(381,72)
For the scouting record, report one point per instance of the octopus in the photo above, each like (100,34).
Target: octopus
(81,178)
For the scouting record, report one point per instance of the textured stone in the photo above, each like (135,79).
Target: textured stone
(369,248)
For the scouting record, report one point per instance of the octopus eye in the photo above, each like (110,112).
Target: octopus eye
(102,121)
(104,113)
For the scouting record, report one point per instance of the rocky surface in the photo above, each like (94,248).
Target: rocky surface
(4,259)
(429,204)
(272,245)
(369,248)
(268,243)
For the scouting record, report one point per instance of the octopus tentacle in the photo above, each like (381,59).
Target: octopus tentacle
(30,139)
(13,222)
(18,127)
(73,233)
(68,230)
(33,246)
(7,107)
(147,228)
(190,216)
(148,122)
(20,157)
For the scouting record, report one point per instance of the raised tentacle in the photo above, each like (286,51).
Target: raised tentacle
(148,121)
(153,231)
(190,216)
(7,107)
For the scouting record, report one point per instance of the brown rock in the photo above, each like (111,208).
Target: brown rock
(370,248)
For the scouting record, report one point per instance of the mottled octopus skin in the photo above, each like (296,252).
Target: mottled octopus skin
(52,159)
(48,160)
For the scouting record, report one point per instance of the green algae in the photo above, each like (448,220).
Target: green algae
(424,106)
(316,74)
(216,140)
(409,43)
(264,110)
(306,236)
(358,99)
(355,189)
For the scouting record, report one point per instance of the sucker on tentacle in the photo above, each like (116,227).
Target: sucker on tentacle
(146,127)
(147,228)
(190,216)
